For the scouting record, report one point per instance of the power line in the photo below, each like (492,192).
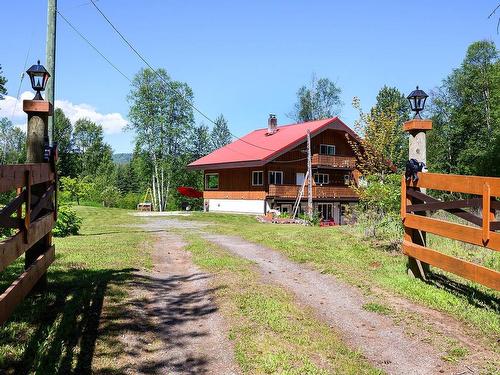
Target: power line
(169,84)
(94,47)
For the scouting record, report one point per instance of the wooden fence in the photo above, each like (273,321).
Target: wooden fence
(35,186)
(480,230)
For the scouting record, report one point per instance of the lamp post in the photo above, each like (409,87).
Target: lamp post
(38,77)
(417,100)
(417,128)
(38,111)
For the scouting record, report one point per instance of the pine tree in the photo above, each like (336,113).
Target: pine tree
(220,135)
(3,82)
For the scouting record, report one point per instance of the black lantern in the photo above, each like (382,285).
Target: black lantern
(39,77)
(417,100)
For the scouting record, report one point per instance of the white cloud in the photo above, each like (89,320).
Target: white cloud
(112,123)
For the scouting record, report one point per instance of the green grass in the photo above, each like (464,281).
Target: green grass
(56,332)
(342,252)
(377,307)
(271,334)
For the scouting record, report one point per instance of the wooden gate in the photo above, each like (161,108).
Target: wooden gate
(480,231)
(32,214)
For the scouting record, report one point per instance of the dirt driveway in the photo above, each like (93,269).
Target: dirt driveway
(176,308)
(171,324)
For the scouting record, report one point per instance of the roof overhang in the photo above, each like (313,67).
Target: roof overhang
(258,163)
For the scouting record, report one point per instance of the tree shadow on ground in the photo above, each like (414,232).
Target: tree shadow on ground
(474,296)
(57,332)
(52,331)
(155,330)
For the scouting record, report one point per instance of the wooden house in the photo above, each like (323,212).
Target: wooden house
(266,168)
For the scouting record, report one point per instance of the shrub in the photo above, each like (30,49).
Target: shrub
(68,222)
(129,201)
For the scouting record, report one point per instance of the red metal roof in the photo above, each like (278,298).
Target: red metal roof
(259,147)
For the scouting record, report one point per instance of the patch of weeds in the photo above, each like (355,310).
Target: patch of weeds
(455,352)
(377,308)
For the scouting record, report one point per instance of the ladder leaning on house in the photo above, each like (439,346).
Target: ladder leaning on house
(299,196)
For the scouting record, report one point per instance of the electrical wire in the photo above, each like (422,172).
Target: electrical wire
(93,46)
(179,94)
(169,84)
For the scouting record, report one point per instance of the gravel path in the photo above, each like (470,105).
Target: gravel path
(379,339)
(183,331)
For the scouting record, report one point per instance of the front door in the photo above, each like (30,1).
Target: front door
(325,210)
(300,178)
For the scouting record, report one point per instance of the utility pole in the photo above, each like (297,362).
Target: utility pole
(50,52)
(309,177)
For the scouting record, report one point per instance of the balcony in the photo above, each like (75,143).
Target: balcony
(318,192)
(333,161)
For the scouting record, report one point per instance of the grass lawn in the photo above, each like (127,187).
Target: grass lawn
(342,252)
(56,332)
(271,333)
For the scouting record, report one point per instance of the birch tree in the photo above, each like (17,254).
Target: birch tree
(162,118)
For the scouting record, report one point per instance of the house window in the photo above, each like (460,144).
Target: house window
(275,177)
(212,181)
(327,149)
(347,179)
(321,178)
(257,178)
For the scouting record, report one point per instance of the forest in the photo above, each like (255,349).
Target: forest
(465,139)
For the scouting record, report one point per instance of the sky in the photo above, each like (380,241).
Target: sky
(243,59)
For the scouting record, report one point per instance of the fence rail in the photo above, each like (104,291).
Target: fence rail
(479,231)
(35,186)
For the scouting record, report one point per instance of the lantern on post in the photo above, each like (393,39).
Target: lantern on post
(38,77)
(417,100)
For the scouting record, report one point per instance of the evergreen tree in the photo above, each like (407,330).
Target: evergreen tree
(220,135)
(200,142)
(3,82)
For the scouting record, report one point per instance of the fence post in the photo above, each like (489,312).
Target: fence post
(38,112)
(417,129)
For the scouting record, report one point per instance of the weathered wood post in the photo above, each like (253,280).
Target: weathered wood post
(417,129)
(38,112)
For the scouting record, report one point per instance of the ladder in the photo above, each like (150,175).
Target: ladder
(299,196)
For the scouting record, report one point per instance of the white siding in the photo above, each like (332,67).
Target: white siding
(237,205)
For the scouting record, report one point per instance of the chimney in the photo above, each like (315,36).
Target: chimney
(272,124)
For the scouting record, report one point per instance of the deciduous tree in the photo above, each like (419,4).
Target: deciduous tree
(465,111)
(319,100)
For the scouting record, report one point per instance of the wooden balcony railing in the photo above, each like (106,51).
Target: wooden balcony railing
(318,192)
(345,162)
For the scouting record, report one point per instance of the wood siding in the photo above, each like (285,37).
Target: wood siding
(236,183)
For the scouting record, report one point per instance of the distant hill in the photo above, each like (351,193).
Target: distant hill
(122,158)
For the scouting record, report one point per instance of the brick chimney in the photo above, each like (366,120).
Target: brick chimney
(272,124)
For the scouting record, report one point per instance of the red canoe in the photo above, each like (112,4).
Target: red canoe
(190,192)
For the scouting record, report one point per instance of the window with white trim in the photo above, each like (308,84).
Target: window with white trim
(321,178)
(212,181)
(257,178)
(275,177)
(327,149)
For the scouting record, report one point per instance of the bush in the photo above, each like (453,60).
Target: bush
(129,201)
(68,222)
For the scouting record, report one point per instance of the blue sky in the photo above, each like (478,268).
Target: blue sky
(243,59)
